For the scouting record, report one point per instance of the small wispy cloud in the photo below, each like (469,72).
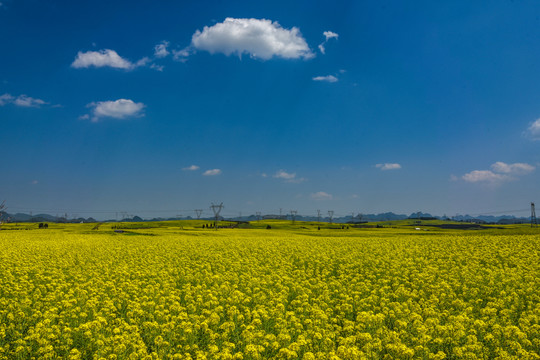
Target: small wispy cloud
(388,166)
(288,177)
(117,109)
(486,176)
(105,58)
(160,50)
(533,131)
(327,36)
(512,169)
(321,195)
(212,172)
(191,168)
(21,100)
(327,78)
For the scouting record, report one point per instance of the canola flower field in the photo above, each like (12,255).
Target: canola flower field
(268,294)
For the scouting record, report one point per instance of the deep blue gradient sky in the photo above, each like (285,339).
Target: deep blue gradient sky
(434,94)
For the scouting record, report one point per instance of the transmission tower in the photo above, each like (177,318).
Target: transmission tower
(534,223)
(198,212)
(318,215)
(293,215)
(258,214)
(216,209)
(2,211)
(331,215)
(280,210)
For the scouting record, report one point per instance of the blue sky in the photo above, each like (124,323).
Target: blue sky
(158,108)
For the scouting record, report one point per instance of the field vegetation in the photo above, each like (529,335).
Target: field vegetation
(173,290)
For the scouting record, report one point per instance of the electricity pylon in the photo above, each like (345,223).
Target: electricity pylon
(216,209)
(293,215)
(534,223)
(198,212)
(331,214)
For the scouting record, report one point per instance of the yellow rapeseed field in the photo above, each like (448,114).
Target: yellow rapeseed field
(258,294)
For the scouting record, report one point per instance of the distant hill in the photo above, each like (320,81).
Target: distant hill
(387,216)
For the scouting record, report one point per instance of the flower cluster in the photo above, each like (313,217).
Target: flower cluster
(257,295)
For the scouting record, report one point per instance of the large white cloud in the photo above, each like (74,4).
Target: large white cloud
(500,172)
(388,166)
(259,38)
(103,58)
(21,100)
(118,109)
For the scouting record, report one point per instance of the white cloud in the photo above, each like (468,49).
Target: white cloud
(388,166)
(500,172)
(327,35)
(259,38)
(160,50)
(486,176)
(157,67)
(27,101)
(512,169)
(142,62)
(288,177)
(533,131)
(182,55)
(330,34)
(321,195)
(191,168)
(21,100)
(282,174)
(118,109)
(327,78)
(104,58)
(6,99)
(212,172)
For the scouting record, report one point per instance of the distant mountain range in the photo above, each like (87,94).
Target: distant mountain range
(388,216)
